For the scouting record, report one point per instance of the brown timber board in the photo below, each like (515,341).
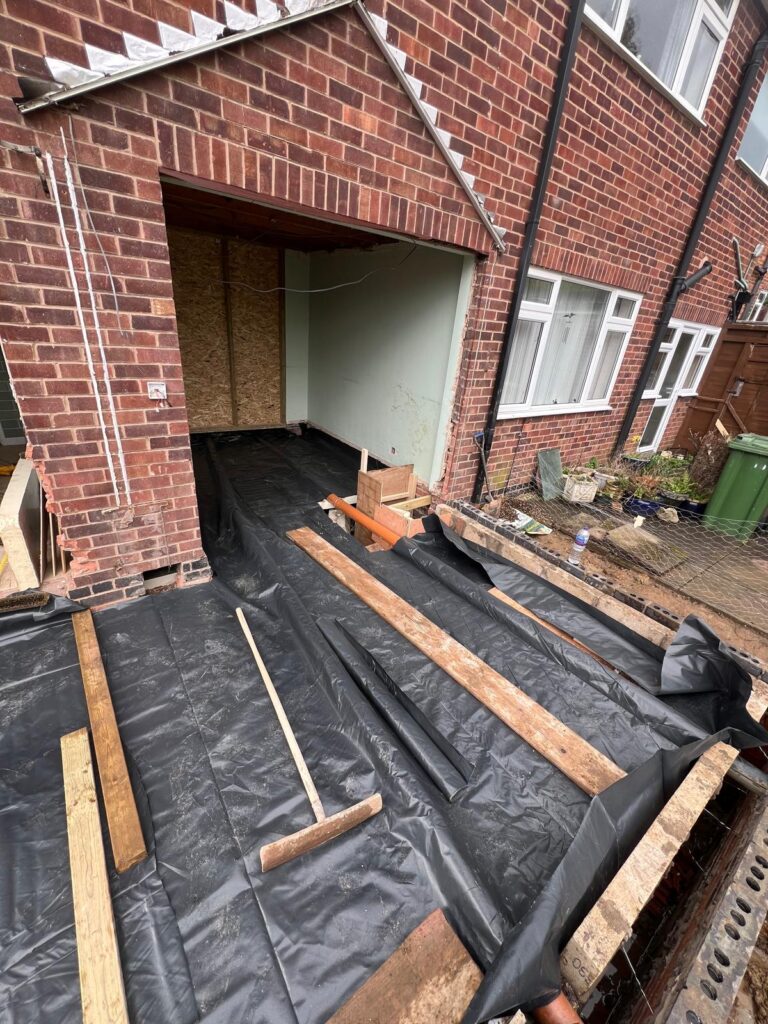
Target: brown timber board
(430,977)
(559,744)
(602,932)
(552,628)
(98,958)
(122,816)
(322,831)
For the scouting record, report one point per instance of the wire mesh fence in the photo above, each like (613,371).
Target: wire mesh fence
(724,565)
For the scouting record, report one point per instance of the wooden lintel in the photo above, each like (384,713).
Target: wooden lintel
(554,740)
(122,815)
(98,957)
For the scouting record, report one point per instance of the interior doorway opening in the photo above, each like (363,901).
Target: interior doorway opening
(285,319)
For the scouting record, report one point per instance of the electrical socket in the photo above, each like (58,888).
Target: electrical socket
(157,390)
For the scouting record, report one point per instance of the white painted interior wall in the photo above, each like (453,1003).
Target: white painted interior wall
(381,355)
(296,336)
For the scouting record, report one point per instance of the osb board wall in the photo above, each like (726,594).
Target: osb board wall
(200,263)
(198,291)
(256,332)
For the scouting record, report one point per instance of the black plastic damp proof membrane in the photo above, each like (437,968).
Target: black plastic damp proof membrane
(474,820)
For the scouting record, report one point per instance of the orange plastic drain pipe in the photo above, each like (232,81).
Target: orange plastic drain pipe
(559,1011)
(387,535)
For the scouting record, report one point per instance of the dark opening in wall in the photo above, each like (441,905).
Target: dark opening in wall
(163,578)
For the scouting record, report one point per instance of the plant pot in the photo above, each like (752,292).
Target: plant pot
(694,509)
(673,500)
(580,491)
(646,507)
(601,479)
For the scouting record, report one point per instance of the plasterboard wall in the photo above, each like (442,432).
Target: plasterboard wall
(382,354)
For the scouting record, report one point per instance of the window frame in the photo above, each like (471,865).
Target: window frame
(707,12)
(762,173)
(543,313)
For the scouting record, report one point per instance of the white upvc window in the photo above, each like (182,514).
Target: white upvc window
(676,43)
(570,340)
(754,146)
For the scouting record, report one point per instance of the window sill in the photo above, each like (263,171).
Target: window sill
(680,104)
(550,410)
(751,172)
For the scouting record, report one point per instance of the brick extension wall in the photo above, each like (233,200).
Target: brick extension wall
(311,117)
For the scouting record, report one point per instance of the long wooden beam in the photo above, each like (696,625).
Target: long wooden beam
(122,816)
(98,958)
(610,922)
(555,630)
(555,741)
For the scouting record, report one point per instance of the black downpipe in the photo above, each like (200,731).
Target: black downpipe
(679,285)
(532,226)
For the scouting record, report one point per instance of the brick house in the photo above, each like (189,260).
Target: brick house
(314,212)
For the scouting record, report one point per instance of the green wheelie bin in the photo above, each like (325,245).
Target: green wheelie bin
(740,499)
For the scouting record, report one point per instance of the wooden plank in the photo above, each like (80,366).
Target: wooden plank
(421,502)
(559,744)
(282,718)
(430,977)
(610,922)
(98,958)
(400,522)
(22,526)
(555,630)
(516,553)
(122,816)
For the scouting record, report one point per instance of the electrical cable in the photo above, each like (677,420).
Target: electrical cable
(81,321)
(96,319)
(330,288)
(91,225)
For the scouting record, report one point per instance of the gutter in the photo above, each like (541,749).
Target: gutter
(679,283)
(565,68)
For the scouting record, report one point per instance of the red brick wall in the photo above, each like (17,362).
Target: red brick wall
(628,174)
(312,117)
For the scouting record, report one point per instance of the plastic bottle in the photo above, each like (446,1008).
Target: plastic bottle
(579,543)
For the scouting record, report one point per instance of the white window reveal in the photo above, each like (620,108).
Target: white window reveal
(676,373)
(754,145)
(679,42)
(570,339)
